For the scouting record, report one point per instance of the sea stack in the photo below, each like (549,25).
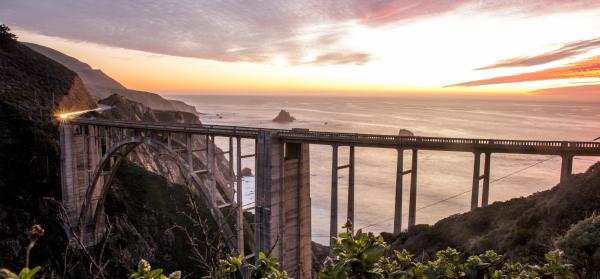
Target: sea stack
(405,133)
(284,117)
(247,172)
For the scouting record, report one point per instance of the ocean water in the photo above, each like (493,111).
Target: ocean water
(442,175)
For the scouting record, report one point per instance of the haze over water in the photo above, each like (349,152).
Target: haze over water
(441,174)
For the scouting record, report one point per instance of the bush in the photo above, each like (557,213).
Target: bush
(581,247)
(363,255)
(7,40)
(34,234)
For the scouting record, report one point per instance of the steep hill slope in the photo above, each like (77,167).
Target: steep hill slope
(141,205)
(521,228)
(32,89)
(102,86)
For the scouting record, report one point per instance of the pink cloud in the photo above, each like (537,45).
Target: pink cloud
(592,90)
(588,68)
(380,12)
(567,50)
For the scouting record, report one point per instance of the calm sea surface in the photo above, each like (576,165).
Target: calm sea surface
(441,174)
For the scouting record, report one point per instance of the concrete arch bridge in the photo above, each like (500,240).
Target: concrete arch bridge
(92,149)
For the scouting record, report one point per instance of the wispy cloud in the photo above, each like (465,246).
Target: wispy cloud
(381,12)
(228,31)
(588,68)
(578,90)
(567,50)
(342,57)
(239,30)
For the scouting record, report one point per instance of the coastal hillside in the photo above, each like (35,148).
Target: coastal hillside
(102,86)
(521,228)
(141,206)
(32,89)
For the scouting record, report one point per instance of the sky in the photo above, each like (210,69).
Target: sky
(496,47)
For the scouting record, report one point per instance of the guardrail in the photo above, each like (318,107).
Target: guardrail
(391,141)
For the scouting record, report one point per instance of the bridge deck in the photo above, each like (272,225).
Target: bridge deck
(368,140)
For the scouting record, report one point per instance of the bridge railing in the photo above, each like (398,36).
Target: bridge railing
(352,138)
(439,141)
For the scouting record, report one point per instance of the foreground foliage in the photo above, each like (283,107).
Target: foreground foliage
(581,247)
(33,234)
(267,267)
(362,255)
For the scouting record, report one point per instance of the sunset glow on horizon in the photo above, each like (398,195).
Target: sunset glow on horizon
(387,47)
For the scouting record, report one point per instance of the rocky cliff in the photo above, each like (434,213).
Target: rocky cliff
(141,206)
(125,109)
(32,89)
(102,86)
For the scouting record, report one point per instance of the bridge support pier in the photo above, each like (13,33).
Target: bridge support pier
(333,222)
(399,189)
(79,155)
(350,215)
(475,188)
(566,168)
(239,197)
(412,203)
(283,224)
(400,173)
(477,177)
(485,195)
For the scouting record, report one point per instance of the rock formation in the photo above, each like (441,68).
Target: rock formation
(102,86)
(125,109)
(405,133)
(284,117)
(247,172)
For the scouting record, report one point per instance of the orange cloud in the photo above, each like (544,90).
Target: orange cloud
(581,90)
(588,68)
(567,50)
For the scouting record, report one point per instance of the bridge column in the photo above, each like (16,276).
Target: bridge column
(79,153)
(475,188)
(230,151)
(210,167)
(412,204)
(333,222)
(268,163)
(240,198)
(68,173)
(566,168)
(485,196)
(296,242)
(350,215)
(399,188)
(283,203)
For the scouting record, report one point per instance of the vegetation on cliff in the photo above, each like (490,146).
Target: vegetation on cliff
(142,205)
(521,228)
(32,89)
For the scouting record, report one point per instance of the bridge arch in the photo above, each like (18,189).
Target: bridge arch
(92,214)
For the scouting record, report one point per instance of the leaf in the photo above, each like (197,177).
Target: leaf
(374,253)
(153,273)
(344,235)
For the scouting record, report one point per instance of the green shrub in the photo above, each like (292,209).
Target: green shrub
(145,271)
(581,247)
(363,255)
(34,234)
(8,40)
(267,267)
